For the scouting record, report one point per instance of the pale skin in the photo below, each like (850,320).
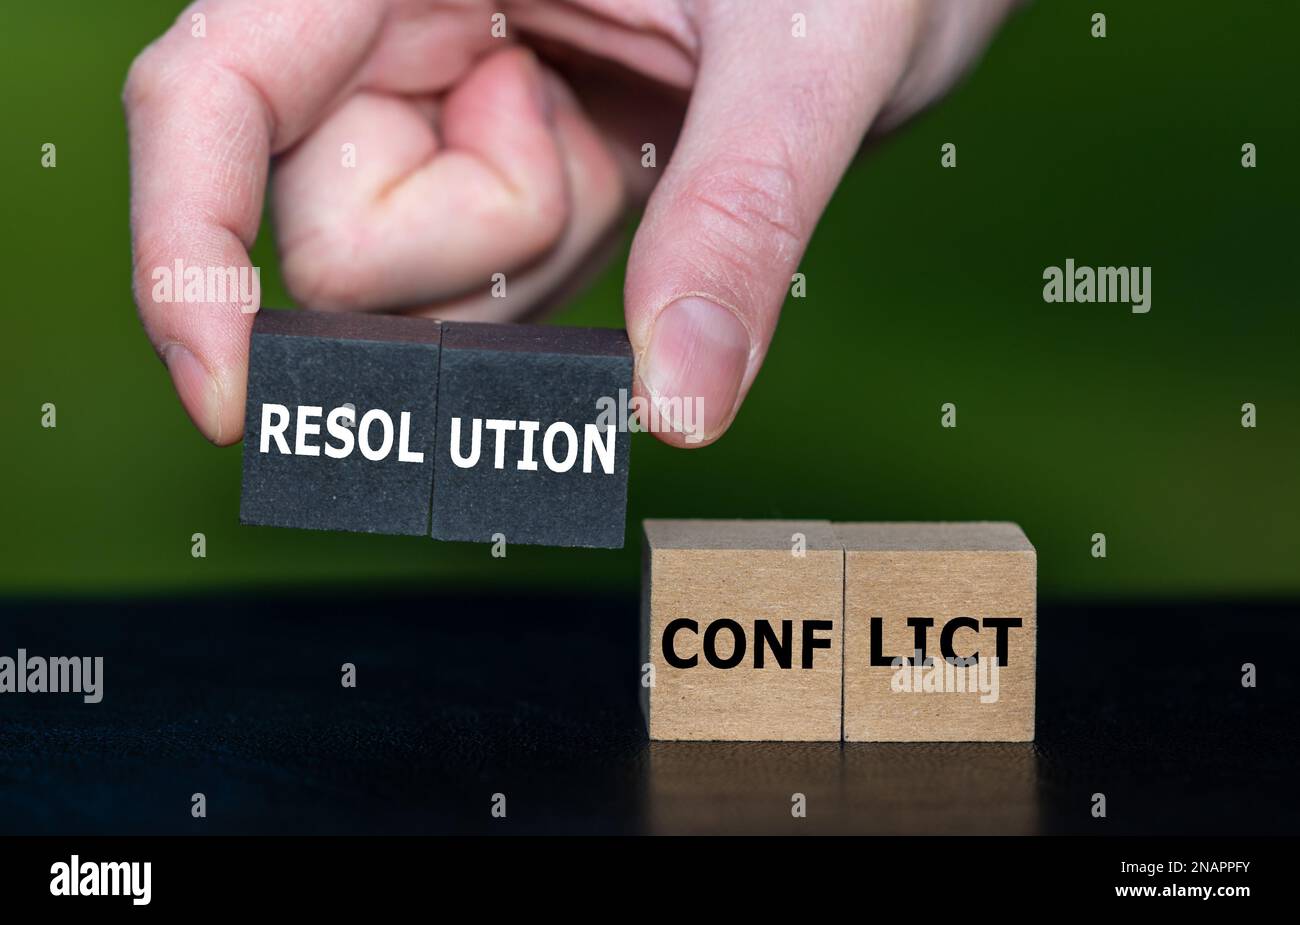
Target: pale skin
(477,155)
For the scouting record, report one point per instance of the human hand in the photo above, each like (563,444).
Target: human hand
(473,158)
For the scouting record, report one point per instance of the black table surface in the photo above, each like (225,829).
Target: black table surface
(460,697)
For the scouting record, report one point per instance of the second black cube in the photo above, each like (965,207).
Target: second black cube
(528,445)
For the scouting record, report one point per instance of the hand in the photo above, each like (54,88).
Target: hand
(473,158)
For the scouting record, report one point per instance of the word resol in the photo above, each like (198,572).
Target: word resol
(275,421)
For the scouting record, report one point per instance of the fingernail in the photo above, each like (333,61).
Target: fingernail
(196,388)
(694,366)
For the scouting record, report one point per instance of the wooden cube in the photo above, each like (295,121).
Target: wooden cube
(961,596)
(741,621)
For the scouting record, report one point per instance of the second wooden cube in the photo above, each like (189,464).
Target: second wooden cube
(939,629)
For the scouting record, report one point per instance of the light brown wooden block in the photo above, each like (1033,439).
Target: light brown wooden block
(952,574)
(784,608)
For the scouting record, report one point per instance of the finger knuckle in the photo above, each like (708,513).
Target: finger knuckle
(747,210)
(537,215)
(326,290)
(324,274)
(142,77)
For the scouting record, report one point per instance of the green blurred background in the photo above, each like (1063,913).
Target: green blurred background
(924,287)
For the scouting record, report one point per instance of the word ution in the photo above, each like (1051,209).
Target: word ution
(596,441)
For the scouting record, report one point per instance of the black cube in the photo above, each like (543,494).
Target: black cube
(339,425)
(527,444)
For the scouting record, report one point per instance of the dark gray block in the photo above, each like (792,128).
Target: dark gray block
(383,366)
(554,377)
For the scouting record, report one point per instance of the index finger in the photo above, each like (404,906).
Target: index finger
(230,84)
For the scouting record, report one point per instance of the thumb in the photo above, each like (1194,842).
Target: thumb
(774,119)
